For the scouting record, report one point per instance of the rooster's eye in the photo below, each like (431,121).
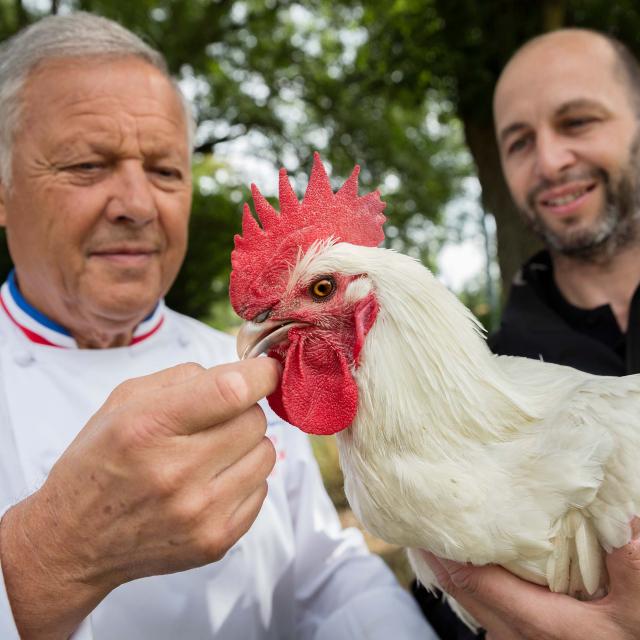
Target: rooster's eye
(323,288)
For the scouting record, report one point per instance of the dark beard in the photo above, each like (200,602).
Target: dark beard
(615,228)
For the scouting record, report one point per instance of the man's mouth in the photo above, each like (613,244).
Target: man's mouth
(565,199)
(126,255)
(556,202)
(256,338)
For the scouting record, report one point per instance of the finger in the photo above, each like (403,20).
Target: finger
(211,451)
(247,511)
(502,632)
(623,566)
(528,610)
(220,530)
(490,585)
(134,387)
(237,494)
(250,471)
(214,396)
(497,628)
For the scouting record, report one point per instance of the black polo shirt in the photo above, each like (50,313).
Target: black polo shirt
(539,323)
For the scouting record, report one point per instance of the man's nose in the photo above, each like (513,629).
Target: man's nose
(132,199)
(553,155)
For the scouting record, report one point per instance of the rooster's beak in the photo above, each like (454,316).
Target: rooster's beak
(255,338)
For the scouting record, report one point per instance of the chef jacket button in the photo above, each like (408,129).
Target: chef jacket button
(23,358)
(183,340)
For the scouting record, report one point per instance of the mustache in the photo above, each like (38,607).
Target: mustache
(127,238)
(593,173)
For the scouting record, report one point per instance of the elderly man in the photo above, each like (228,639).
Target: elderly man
(169,475)
(566,110)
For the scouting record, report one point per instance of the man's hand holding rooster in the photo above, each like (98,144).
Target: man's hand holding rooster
(511,609)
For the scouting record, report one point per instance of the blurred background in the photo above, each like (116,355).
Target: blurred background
(402,87)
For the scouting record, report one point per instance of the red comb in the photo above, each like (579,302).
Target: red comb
(344,216)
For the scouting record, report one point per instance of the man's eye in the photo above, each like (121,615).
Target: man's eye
(578,123)
(167,172)
(517,145)
(85,166)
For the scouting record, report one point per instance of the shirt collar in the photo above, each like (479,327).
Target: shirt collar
(598,323)
(40,329)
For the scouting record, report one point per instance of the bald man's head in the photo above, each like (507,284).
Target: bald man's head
(624,65)
(566,111)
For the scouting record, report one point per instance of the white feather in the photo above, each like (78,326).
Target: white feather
(475,457)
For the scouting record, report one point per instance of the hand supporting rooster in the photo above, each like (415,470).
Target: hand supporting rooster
(511,609)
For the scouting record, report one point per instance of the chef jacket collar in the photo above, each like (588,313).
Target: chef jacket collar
(40,329)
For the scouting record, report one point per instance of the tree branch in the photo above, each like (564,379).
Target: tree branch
(207,147)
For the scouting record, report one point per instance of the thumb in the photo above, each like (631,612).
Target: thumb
(624,565)
(221,393)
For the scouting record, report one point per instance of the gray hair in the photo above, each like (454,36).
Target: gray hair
(76,35)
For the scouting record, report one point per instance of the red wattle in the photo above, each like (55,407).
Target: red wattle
(317,393)
(275,399)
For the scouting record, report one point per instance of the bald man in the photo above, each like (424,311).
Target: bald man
(566,111)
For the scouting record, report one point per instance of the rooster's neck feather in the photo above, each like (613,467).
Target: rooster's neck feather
(425,359)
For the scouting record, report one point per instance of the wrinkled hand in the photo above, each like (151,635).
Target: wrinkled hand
(166,476)
(512,609)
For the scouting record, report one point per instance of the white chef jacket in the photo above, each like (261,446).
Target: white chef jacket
(295,574)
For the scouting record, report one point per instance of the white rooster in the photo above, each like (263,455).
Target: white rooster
(444,446)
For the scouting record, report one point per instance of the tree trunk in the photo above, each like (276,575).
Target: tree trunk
(22,18)
(553,14)
(515,242)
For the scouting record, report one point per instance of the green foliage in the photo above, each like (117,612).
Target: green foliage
(474,296)
(325,451)
(203,279)
(460,46)
(397,85)
(291,79)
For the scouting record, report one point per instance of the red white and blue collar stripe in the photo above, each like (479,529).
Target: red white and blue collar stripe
(42,330)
